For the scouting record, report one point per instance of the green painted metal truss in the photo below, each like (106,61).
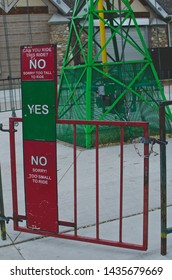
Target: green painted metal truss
(108,73)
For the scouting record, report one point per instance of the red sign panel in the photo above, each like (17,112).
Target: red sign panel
(41,185)
(38,63)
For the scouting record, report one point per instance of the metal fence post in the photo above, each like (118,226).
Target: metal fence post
(2,222)
(163,180)
(163,177)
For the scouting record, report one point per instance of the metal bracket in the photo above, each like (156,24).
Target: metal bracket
(7,219)
(6,130)
(2,129)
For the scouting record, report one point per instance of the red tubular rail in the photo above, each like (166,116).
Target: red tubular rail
(75,177)
(14,170)
(121,181)
(74,233)
(97,182)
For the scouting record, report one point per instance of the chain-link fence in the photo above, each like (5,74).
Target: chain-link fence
(10,94)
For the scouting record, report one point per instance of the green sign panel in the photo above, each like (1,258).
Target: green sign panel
(39,110)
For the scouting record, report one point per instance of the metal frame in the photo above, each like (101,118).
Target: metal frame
(10,94)
(163,177)
(74,233)
(80,56)
(2,220)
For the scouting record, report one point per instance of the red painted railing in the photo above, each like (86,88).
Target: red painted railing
(74,227)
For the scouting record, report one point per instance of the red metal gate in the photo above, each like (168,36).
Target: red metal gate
(99,199)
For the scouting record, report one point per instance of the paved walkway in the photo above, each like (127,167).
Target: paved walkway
(25,246)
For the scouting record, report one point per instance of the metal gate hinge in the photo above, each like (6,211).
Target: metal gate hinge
(6,130)
(7,219)
(2,129)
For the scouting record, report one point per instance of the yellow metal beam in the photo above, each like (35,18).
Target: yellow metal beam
(102,31)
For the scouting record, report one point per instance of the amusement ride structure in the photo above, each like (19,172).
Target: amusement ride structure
(98,80)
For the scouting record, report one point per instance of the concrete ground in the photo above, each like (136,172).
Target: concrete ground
(25,246)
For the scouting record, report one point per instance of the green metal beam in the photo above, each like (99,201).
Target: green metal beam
(84,73)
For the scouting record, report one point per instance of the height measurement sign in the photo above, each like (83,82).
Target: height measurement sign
(38,63)
(39,92)
(40,185)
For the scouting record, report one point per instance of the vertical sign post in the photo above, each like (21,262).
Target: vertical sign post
(39,96)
